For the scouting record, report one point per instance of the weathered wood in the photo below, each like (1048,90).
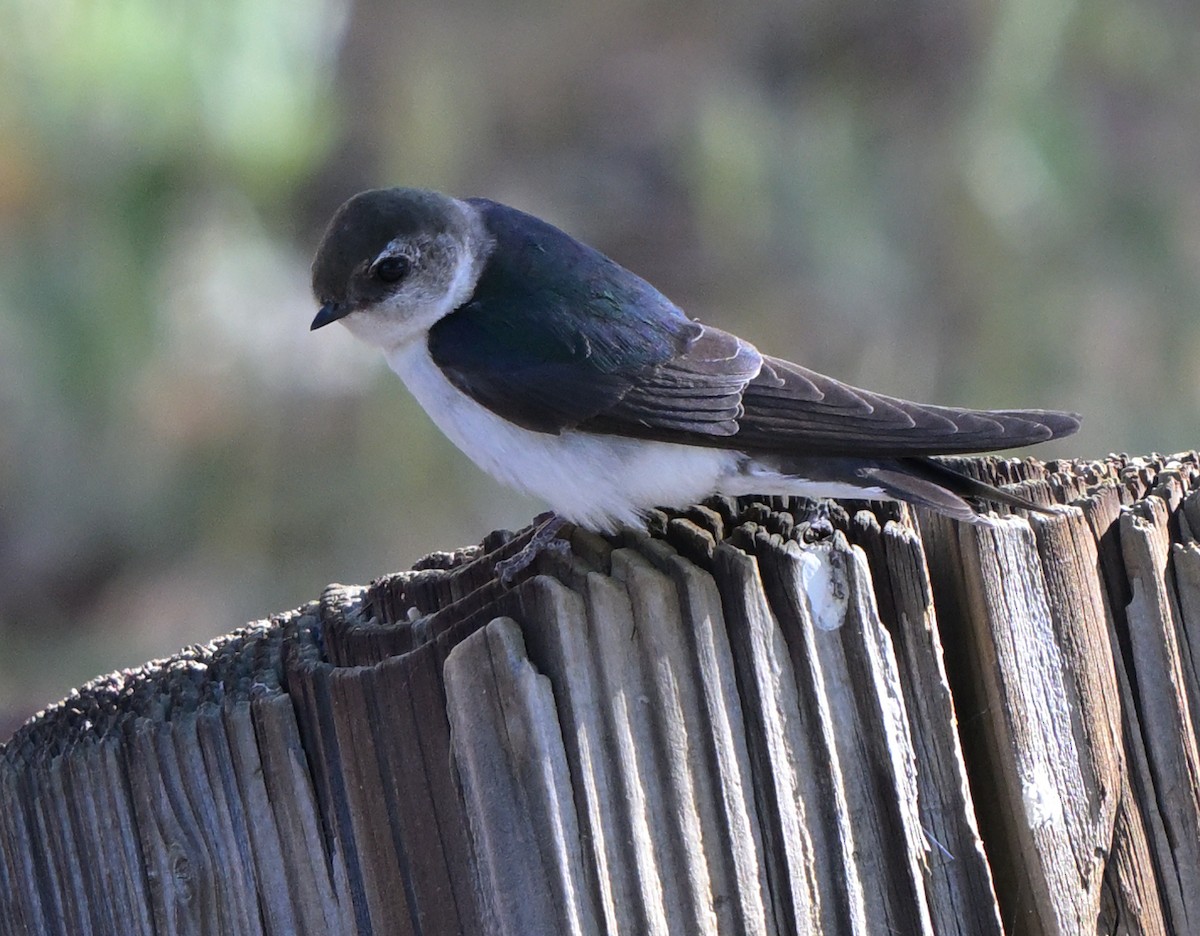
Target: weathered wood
(741,723)
(1161,696)
(1056,818)
(959,883)
(516,788)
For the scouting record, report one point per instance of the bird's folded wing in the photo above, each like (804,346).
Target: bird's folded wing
(787,405)
(557,336)
(706,396)
(699,391)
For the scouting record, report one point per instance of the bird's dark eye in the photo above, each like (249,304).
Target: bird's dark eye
(391,269)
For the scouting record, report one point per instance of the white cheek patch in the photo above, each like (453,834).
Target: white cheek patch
(411,312)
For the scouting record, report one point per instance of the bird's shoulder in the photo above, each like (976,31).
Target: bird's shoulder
(550,294)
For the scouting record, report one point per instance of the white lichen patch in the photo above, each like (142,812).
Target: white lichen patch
(825,585)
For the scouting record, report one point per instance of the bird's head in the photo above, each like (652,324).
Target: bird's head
(394,261)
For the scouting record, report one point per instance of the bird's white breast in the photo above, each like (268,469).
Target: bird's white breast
(601,482)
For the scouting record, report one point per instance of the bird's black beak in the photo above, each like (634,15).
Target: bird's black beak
(330,312)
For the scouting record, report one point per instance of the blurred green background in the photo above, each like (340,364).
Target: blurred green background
(985,203)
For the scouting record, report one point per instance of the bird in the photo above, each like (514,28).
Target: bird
(566,376)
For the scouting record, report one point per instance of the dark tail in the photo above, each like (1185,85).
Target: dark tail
(921,480)
(942,475)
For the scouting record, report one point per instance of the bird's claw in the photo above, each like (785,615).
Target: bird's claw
(544,539)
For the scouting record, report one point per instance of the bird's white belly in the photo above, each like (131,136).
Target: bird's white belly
(601,482)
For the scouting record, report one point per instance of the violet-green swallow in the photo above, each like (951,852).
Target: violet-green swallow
(564,375)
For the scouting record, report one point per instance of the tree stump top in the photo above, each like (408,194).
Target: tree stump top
(737,722)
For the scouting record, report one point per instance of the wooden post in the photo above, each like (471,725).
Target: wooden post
(740,723)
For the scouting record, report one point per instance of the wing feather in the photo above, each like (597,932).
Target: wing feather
(800,407)
(787,409)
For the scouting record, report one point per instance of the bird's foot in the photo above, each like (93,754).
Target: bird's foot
(544,539)
(818,524)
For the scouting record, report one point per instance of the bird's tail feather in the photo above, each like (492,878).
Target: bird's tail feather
(934,472)
(916,489)
(918,480)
